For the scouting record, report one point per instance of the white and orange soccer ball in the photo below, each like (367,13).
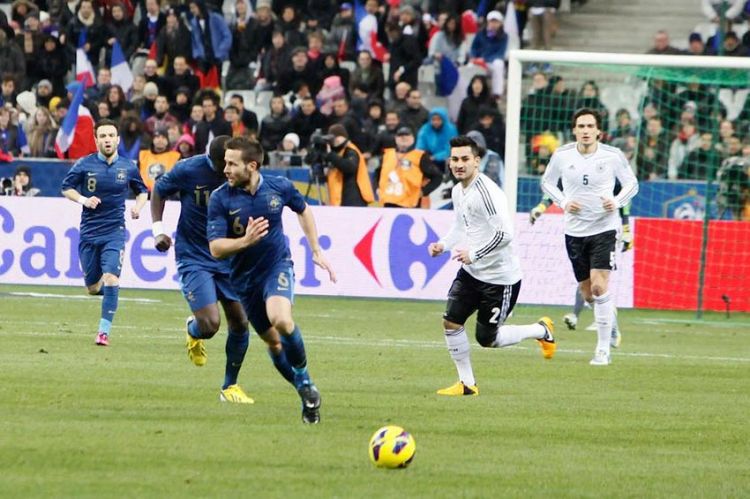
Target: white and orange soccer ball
(392,447)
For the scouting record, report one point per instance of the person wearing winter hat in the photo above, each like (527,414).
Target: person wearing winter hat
(490,164)
(489,47)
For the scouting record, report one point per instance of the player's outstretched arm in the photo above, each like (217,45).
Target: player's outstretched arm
(307,223)
(225,247)
(162,241)
(91,202)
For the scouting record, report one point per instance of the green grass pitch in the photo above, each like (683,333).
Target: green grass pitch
(669,417)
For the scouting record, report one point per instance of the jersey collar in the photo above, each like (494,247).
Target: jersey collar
(104,160)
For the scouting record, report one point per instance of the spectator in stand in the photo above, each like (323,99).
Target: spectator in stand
(30,42)
(12,139)
(288,153)
(275,125)
(702,161)
(448,42)
(88,21)
(653,151)
(411,24)
(41,131)
(299,70)
(712,9)
(397,102)
(371,125)
(435,135)
(414,115)
(152,22)
(174,41)
(686,141)
(156,160)
(185,146)
(342,115)
(332,90)
(50,63)
(386,136)
(146,106)
(195,121)
(136,91)
(588,97)
(404,66)
(101,110)
(543,23)
(406,174)
(727,130)
(696,45)
(131,137)
(492,127)
(732,46)
(151,73)
(20,9)
(342,37)
(307,120)
(732,146)
(491,163)
(211,40)
(245,48)
(274,62)
(489,47)
(8,93)
(182,76)
(161,119)
(348,179)
(624,127)
(213,121)
(12,60)
(561,102)
(477,95)
(661,45)
(118,104)
(121,28)
(330,67)
(262,27)
(232,116)
(97,92)
(368,74)
(21,184)
(44,93)
(248,117)
(368,25)
(315,40)
(289,24)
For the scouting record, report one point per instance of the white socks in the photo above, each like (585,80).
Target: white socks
(458,347)
(510,335)
(604,313)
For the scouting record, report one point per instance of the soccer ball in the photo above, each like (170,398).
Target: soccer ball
(392,447)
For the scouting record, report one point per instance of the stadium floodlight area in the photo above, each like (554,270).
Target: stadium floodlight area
(684,124)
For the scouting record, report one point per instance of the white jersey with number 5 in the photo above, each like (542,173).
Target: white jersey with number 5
(589,180)
(484,225)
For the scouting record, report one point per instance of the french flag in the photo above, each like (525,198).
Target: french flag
(75,138)
(452,85)
(84,69)
(121,73)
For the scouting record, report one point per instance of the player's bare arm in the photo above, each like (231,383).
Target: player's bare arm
(162,241)
(225,247)
(307,223)
(90,202)
(140,202)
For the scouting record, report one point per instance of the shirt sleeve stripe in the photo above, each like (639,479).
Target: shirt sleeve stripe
(486,197)
(481,253)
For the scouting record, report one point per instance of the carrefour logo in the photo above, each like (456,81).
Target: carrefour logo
(402,253)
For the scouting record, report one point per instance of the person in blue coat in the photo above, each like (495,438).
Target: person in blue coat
(489,47)
(435,135)
(210,37)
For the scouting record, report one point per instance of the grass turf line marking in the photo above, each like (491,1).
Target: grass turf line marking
(396,343)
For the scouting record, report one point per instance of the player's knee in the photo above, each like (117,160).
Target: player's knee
(110,280)
(274,345)
(237,325)
(208,325)
(598,290)
(486,334)
(284,326)
(93,290)
(450,325)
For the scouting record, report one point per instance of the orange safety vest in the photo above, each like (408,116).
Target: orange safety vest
(336,180)
(153,164)
(401,179)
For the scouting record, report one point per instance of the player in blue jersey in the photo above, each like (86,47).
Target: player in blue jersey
(203,279)
(100,183)
(244,222)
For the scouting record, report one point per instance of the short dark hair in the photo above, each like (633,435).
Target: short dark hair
(463,141)
(238,96)
(251,150)
(106,122)
(586,111)
(216,152)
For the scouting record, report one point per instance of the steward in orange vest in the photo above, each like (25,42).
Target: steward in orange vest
(406,174)
(348,179)
(157,160)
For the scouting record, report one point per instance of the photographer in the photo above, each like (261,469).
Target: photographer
(348,179)
(406,174)
(21,183)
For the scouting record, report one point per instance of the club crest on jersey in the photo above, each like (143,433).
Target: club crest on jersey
(122,174)
(274,204)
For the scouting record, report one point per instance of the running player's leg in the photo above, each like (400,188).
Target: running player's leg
(463,298)
(111,255)
(602,258)
(199,290)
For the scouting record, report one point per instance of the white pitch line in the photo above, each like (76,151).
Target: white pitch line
(395,343)
(78,297)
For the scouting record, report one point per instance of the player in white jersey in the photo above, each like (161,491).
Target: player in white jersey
(588,171)
(490,278)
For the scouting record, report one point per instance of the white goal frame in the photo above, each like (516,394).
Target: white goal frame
(514,97)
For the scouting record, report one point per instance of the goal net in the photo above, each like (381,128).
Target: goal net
(684,124)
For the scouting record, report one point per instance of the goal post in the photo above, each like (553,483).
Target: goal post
(693,249)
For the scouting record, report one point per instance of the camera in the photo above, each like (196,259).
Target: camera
(319,147)
(6,186)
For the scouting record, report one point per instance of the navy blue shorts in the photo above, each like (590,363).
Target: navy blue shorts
(98,258)
(201,288)
(278,281)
